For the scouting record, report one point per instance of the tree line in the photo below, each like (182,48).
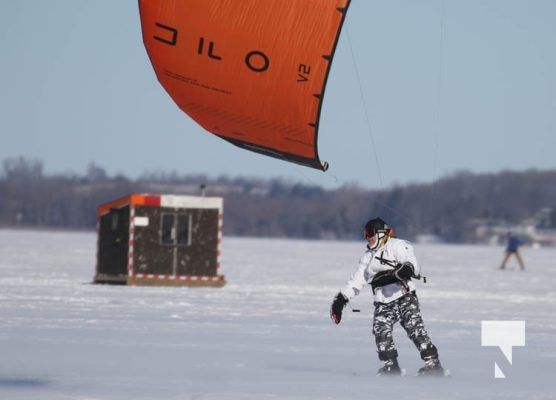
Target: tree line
(449,208)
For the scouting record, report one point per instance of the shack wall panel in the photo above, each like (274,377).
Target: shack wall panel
(196,256)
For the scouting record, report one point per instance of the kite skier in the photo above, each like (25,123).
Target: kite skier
(388,265)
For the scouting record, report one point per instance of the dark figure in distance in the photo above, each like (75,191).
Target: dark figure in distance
(512,248)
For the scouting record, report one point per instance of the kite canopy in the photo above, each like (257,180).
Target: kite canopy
(252,72)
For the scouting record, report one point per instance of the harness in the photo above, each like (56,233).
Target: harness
(384,278)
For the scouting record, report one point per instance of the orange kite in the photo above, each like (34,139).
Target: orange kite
(252,72)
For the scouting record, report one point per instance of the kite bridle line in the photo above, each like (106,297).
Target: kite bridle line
(428,215)
(367,119)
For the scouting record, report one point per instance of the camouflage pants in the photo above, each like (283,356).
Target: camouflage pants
(406,311)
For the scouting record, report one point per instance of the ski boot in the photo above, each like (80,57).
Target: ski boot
(432,364)
(431,370)
(390,369)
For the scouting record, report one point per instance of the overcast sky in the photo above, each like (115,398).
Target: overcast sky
(418,89)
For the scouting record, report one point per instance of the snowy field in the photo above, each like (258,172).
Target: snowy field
(266,334)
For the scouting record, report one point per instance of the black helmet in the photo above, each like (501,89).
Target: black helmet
(377,226)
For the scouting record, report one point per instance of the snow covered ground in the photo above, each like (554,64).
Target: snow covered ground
(267,333)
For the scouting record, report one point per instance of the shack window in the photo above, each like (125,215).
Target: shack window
(167,235)
(114,223)
(176,230)
(184,222)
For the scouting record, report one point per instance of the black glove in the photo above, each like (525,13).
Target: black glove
(337,307)
(404,271)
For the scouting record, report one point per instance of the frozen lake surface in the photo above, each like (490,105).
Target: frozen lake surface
(267,333)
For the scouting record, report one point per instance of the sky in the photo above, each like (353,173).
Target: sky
(417,90)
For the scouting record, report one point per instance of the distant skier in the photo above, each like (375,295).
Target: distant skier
(512,247)
(388,266)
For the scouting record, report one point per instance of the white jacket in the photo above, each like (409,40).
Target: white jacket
(395,251)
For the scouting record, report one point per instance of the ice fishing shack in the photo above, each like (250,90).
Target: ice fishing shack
(160,240)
